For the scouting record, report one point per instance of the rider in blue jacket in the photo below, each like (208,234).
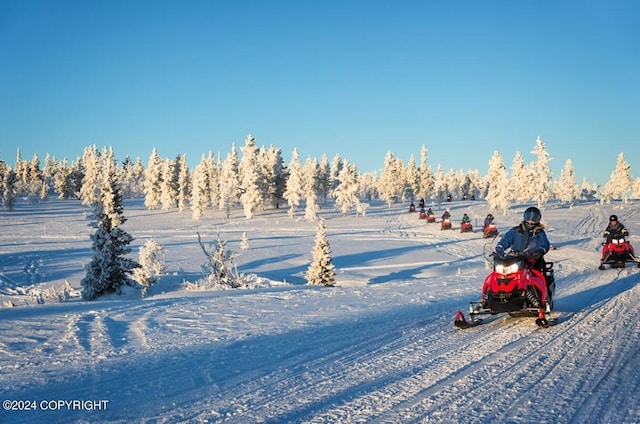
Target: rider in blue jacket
(527,239)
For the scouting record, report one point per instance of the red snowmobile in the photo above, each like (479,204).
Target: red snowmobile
(516,288)
(431,218)
(466,227)
(490,230)
(422,215)
(412,208)
(616,252)
(445,224)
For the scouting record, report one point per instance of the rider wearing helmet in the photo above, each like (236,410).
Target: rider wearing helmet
(615,229)
(527,239)
(488,220)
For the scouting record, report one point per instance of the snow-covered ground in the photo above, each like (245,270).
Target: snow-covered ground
(380,347)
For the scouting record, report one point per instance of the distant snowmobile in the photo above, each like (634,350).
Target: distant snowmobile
(516,288)
(466,227)
(445,224)
(616,252)
(489,230)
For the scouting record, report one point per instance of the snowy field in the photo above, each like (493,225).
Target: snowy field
(380,347)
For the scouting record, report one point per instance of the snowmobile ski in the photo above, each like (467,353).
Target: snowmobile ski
(461,321)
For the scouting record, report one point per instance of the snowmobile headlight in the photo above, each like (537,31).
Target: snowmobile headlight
(506,269)
(617,241)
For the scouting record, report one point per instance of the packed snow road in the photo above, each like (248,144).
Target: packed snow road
(378,348)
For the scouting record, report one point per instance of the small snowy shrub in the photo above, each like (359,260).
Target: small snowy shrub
(151,264)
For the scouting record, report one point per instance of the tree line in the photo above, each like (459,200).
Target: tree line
(257,178)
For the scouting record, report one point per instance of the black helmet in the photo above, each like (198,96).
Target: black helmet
(613,218)
(532,214)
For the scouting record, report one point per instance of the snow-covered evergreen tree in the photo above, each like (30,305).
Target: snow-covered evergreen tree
(325,177)
(336,167)
(91,175)
(346,193)
(498,183)
(213,172)
(321,271)
(61,180)
(439,185)
(169,186)
(276,176)
(392,181)
(244,241)
(521,187)
(295,189)
(184,182)
(542,180)
(566,188)
(251,197)
(153,181)
(199,190)
(475,183)
(412,180)
(368,186)
(109,269)
(9,191)
(620,183)
(229,182)
(426,175)
(311,189)
(588,192)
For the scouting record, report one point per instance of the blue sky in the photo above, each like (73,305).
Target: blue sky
(354,78)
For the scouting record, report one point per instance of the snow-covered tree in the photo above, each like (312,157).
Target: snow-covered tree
(199,190)
(213,173)
(346,193)
(368,186)
(295,189)
(109,269)
(152,265)
(439,185)
(475,183)
(521,189)
(9,192)
(229,182)
(90,176)
(498,183)
(251,197)
(620,183)
(244,241)
(325,177)
(311,189)
(412,180)
(541,173)
(169,185)
(588,192)
(392,181)
(566,188)
(426,175)
(184,182)
(153,181)
(321,271)
(336,167)
(280,175)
